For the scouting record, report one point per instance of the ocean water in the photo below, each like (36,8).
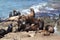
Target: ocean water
(7,6)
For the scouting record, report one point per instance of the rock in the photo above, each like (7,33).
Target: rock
(31,34)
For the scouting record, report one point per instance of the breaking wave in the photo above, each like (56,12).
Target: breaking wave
(41,7)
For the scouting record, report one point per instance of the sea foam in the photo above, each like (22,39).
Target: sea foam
(41,7)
